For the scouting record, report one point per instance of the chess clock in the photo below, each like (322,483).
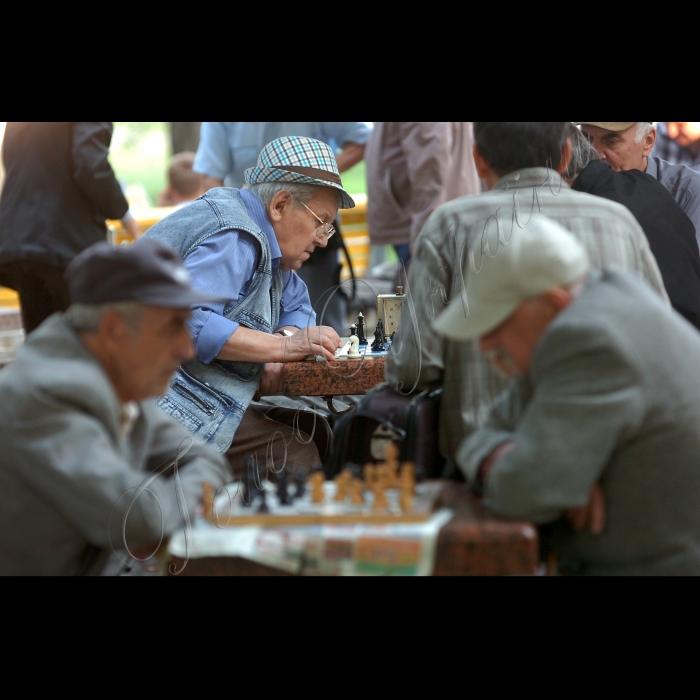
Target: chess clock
(389,308)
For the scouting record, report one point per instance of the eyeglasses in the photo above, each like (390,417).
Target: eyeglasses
(328,229)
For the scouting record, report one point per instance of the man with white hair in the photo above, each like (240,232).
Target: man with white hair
(602,424)
(628,146)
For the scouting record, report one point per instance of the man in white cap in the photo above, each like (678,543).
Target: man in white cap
(602,424)
(245,247)
(629,146)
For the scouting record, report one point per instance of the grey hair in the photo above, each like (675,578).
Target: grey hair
(267,191)
(582,153)
(86,318)
(643,130)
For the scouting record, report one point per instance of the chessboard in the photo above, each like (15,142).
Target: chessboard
(384,494)
(366,352)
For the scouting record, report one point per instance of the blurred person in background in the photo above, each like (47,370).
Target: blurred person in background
(227,149)
(59,190)
(670,232)
(512,159)
(629,146)
(678,143)
(184,184)
(413,168)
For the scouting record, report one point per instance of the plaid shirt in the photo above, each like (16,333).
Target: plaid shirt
(445,249)
(670,150)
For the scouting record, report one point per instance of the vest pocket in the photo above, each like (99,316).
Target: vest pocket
(187,419)
(181,389)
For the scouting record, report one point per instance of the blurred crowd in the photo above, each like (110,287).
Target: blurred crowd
(554,279)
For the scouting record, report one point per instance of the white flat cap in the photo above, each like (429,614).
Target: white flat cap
(539,257)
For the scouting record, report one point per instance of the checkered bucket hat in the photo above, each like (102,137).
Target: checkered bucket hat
(301,160)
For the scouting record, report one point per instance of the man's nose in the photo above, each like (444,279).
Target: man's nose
(322,242)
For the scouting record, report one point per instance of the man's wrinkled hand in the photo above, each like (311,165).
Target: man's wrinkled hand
(314,340)
(271,383)
(592,516)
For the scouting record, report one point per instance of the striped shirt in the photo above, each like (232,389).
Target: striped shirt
(453,241)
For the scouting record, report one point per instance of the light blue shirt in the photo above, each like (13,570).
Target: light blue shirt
(224,266)
(227,149)
(683,183)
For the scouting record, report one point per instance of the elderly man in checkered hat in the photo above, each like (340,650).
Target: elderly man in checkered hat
(245,246)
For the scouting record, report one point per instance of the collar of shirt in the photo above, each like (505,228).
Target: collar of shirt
(257,212)
(531,178)
(652,168)
(128,415)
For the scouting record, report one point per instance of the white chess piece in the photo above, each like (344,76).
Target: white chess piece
(354,347)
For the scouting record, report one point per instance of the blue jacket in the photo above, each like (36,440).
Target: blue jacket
(210,399)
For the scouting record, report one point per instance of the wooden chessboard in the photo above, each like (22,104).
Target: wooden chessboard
(232,511)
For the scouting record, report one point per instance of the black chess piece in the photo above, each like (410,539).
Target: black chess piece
(300,483)
(378,344)
(264,508)
(248,489)
(361,329)
(283,489)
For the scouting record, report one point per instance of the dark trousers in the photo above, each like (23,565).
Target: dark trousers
(41,288)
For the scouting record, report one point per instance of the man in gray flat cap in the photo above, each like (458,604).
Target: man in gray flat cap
(628,146)
(602,424)
(245,246)
(80,438)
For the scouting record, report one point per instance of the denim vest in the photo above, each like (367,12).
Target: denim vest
(210,400)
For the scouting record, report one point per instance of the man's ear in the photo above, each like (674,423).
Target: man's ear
(482,167)
(558,299)
(112,329)
(566,154)
(281,201)
(649,143)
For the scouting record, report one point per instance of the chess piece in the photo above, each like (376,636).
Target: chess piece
(342,482)
(208,502)
(408,477)
(380,499)
(353,330)
(354,347)
(408,487)
(263,508)
(356,496)
(300,484)
(361,329)
(316,481)
(378,344)
(283,489)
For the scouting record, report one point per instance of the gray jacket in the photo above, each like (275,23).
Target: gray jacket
(455,240)
(66,476)
(613,397)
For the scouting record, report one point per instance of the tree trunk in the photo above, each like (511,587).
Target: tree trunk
(184,136)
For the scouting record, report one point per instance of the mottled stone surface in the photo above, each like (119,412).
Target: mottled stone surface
(351,378)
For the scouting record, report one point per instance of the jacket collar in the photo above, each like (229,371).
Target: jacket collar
(527,178)
(257,212)
(593,174)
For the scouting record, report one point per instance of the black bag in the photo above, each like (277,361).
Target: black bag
(385,415)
